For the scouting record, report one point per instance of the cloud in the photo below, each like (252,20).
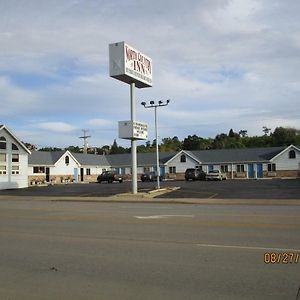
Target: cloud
(56,127)
(102,123)
(223,63)
(15,100)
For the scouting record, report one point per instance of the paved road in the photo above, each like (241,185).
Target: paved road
(59,250)
(230,189)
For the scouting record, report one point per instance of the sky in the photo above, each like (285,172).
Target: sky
(222,63)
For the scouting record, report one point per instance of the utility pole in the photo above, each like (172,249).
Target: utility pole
(85,137)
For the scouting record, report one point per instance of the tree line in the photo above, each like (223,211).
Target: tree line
(281,136)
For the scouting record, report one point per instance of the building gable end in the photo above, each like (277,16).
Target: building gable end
(3,127)
(290,147)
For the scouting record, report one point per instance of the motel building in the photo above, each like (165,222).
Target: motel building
(252,163)
(19,168)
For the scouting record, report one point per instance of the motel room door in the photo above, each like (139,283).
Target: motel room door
(250,171)
(260,171)
(47,174)
(81,174)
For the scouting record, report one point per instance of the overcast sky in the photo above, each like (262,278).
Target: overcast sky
(223,63)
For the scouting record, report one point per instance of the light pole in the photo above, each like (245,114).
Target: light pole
(155,106)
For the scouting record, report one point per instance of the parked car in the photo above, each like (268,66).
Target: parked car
(109,176)
(216,175)
(150,176)
(194,174)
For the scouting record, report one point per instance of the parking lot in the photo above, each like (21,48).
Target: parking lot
(229,189)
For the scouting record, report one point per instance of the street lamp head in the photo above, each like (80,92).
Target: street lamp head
(152,102)
(143,103)
(160,102)
(168,101)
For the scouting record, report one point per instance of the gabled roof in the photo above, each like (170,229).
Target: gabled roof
(237,155)
(91,159)
(143,159)
(15,138)
(185,152)
(47,158)
(50,158)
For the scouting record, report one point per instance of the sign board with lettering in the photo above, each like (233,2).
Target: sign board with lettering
(130,65)
(133,130)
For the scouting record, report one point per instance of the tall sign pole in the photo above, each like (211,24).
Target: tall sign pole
(133,141)
(135,68)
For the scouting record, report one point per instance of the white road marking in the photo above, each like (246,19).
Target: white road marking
(248,247)
(164,216)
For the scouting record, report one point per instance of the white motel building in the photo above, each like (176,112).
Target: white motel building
(20,168)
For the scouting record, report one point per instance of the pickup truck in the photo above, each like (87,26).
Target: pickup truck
(110,177)
(215,175)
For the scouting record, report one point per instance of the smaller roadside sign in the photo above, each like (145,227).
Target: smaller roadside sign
(133,130)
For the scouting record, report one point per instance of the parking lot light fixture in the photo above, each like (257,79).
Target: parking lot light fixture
(155,106)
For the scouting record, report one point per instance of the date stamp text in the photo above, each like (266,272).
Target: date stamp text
(281,258)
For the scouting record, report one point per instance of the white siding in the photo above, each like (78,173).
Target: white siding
(181,166)
(9,180)
(283,162)
(61,168)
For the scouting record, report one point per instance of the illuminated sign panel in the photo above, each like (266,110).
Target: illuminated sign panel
(130,65)
(133,130)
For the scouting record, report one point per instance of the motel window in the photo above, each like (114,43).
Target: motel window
(15,158)
(240,168)
(37,170)
(2,157)
(146,169)
(292,154)
(2,142)
(271,167)
(182,158)
(224,168)
(2,163)
(2,170)
(88,171)
(15,170)
(172,170)
(67,160)
(200,168)
(14,147)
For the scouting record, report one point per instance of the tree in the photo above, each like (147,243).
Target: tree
(170,144)
(50,149)
(192,142)
(220,141)
(266,130)
(74,149)
(284,136)
(243,133)
(30,147)
(114,149)
(231,133)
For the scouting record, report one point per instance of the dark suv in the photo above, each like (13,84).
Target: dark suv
(194,174)
(109,176)
(151,176)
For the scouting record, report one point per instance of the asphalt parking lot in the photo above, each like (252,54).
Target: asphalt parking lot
(230,189)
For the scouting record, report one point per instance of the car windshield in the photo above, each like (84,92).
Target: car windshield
(214,171)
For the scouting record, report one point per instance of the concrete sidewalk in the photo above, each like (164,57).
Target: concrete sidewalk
(149,198)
